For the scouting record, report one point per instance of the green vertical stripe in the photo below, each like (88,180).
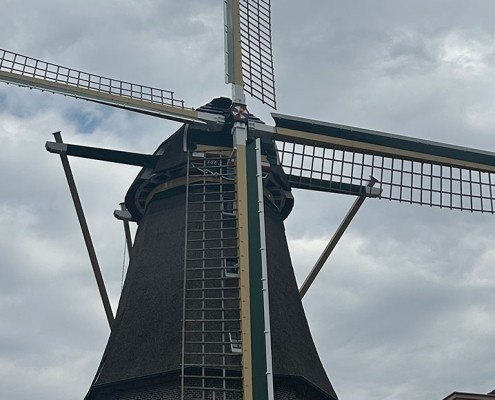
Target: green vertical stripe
(258,345)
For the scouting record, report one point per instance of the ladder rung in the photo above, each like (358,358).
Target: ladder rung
(214,320)
(186,353)
(196,342)
(227,228)
(227,218)
(210,239)
(212,201)
(205,186)
(215,248)
(204,258)
(204,212)
(212,365)
(208,183)
(204,268)
(220,278)
(212,298)
(213,377)
(214,309)
(213,288)
(213,389)
(214,331)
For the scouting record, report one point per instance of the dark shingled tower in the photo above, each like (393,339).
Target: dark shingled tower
(143,357)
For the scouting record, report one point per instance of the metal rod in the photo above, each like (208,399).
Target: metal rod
(85,231)
(334,240)
(127,231)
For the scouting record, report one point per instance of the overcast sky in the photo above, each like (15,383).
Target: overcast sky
(405,307)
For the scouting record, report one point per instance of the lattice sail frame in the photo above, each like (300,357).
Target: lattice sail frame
(256,49)
(329,157)
(31,67)
(30,72)
(324,168)
(346,171)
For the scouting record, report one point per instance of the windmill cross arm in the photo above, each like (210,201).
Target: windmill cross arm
(320,185)
(95,153)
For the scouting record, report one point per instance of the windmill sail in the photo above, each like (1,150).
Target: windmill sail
(248,47)
(36,74)
(256,43)
(328,157)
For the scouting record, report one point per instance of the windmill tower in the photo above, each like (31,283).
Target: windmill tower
(211,188)
(180,310)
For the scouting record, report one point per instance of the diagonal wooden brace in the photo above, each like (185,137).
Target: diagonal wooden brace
(85,231)
(335,239)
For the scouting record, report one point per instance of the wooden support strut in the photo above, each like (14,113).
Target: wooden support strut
(85,231)
(335,239)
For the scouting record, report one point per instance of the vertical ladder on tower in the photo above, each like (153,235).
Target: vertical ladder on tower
(211,351)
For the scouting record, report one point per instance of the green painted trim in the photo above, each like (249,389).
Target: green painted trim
(258,345)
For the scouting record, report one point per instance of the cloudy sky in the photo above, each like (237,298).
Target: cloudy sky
(405,307)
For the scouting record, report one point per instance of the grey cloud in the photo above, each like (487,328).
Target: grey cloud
(405,302)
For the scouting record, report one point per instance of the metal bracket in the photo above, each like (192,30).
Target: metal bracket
(56,148)
(122,215)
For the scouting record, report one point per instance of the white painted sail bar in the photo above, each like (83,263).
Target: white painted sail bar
(233,52)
